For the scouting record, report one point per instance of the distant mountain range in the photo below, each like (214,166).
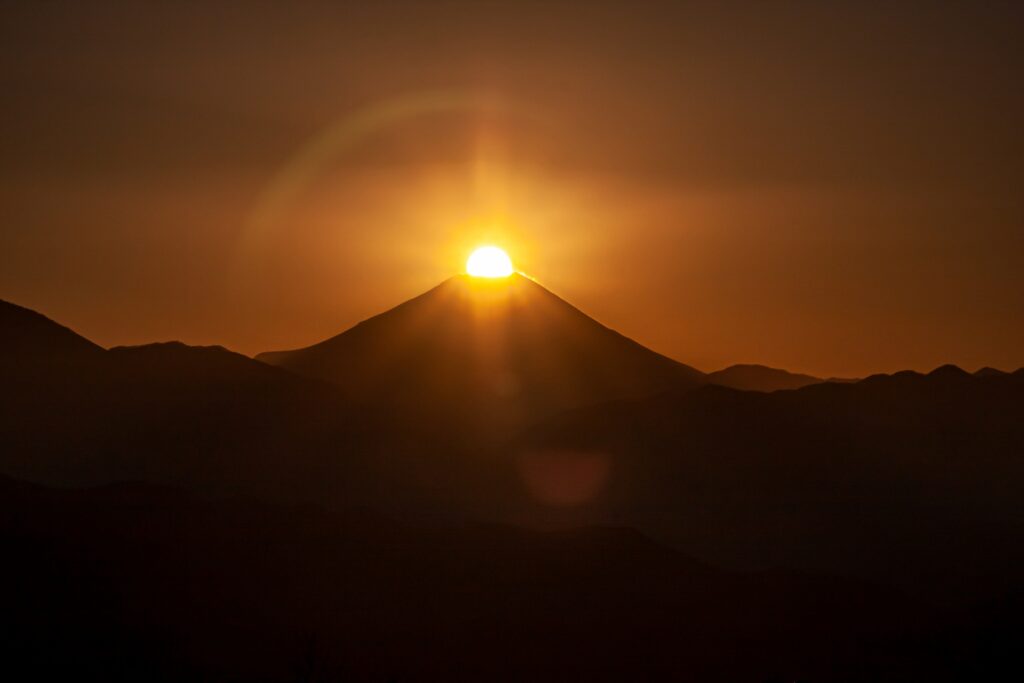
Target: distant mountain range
(907,478)
(463,367)
(499,401)
(760,378)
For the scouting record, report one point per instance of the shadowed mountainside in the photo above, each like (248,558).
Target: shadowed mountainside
(213,420)
(495,355)
(911,479)
(907,479)
(134,582)
(28,335)
(73,413)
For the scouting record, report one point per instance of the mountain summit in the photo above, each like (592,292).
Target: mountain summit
(494,352)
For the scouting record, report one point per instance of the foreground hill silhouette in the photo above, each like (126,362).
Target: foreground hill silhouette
(910,479)
(494,354)
(134,582)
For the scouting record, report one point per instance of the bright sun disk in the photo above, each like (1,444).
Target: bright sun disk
(489,262)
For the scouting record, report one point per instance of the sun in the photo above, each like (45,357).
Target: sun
(489,262)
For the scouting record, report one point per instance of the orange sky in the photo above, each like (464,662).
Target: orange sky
(824,187)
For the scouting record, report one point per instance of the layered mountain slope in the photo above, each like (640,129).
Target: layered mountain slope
(72,412)
(911,479)
(213,420)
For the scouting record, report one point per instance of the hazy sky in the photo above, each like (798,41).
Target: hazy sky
(831,188)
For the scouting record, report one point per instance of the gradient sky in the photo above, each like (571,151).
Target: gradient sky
(826,187)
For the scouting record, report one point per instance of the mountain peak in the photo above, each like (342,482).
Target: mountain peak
(491,349)
(949,371)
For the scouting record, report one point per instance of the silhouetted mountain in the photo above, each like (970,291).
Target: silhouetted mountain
(908,479)
(989,372)
(214,420)
(843,380)
(760,378)
(28,336)
(488,354)
(950,372)
(911,479)
(134,582)
(204,417)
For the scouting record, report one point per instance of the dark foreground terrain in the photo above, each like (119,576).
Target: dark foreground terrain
(389,505)
(135,582)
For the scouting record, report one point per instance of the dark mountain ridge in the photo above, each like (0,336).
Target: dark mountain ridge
(748,377)
(136,582)
(494,354)
(203,417)
(909,479)
(29,335)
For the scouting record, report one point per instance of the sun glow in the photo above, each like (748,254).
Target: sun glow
(489,262)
